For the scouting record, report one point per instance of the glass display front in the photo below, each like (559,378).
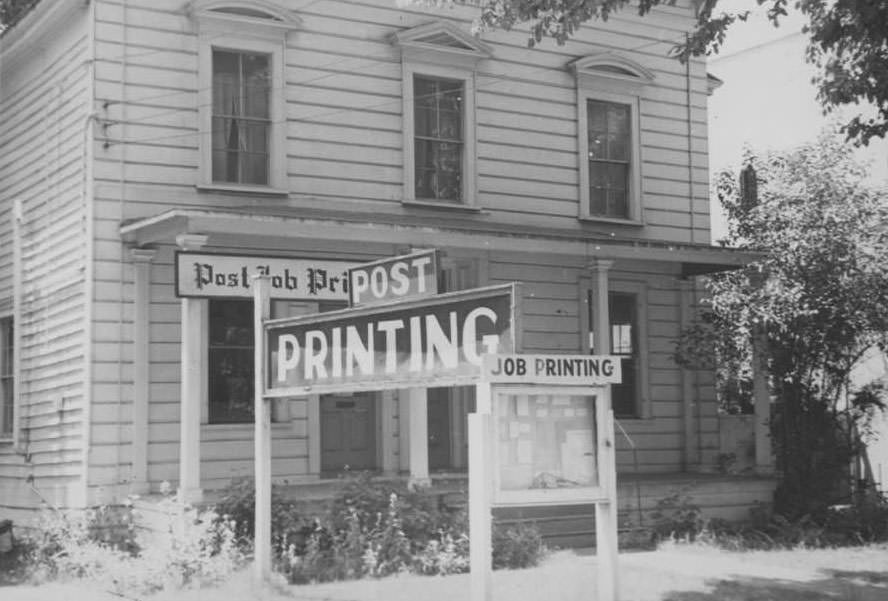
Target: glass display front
(546,441)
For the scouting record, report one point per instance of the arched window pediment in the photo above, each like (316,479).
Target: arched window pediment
(612,66)
(256,12)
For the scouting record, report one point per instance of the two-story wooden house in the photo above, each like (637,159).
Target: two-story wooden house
(329,133)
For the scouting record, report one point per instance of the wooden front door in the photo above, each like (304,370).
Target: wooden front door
(348,432)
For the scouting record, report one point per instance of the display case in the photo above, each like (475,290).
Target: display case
(546,447)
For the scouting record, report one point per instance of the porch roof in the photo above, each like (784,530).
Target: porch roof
(420,230)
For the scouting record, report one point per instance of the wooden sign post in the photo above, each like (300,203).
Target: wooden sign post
(262,438)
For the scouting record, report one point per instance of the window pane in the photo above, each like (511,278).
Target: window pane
(257,85)
(623,395)
(230,361)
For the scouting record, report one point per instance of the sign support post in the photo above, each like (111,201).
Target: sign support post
(262,437)
(480,478)
(606,538)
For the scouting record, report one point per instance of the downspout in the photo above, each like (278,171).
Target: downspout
(123,255)
(88,251)
(690,152)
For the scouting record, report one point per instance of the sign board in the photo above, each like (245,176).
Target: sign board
(208,275)
(437,341)
(393,279)
(584,370)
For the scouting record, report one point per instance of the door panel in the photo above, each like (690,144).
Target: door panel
(348,432)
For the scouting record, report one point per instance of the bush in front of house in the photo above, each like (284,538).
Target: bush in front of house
(372,528)
(102,547)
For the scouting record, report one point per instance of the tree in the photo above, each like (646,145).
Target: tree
(818,297)
(12,10)
(848,42)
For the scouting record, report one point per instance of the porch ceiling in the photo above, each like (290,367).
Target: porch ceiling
(695,259)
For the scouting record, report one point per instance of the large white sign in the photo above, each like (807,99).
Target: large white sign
(205,275)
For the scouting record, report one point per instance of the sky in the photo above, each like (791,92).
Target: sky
(768,101)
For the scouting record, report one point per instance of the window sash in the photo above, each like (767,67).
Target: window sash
(439,146)
(230,361)
(609,138)
(7,377)
(241,117)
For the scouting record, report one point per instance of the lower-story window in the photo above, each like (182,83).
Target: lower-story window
(7,378)
(230,361)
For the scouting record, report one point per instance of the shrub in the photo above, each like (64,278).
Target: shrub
(374,528)
(196,549)
(519,546)
(676,516)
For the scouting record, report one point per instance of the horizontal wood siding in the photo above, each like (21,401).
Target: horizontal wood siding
(43,99)
(344,123)
(551,310)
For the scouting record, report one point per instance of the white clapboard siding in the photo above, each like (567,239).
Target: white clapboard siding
(43,100)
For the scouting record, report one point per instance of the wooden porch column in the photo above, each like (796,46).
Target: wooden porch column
(417,417)
(600,307)
(762,399)
(141,258)
(691,455)
(193,382)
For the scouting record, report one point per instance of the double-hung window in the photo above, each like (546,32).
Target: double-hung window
(609,89)
(241,117)
(241,94)
(438,138)
(7,377)
(438,63)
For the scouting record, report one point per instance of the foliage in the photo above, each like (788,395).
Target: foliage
(518,546)
(373,528)
(676,516)
(817,298)
(195,550)
(847,40)
(13,10)
(238,504)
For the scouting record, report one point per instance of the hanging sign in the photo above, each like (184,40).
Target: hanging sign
(585,370)
(396,278)
(208,275)
(432,341)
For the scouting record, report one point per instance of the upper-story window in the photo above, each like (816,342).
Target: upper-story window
(608,104)
(438,63)
(241,94)
(438,138)
(241,117)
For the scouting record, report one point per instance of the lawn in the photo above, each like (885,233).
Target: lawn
(672,573)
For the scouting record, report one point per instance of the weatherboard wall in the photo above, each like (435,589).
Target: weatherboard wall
(44,90)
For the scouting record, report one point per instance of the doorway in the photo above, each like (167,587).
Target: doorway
(348,432)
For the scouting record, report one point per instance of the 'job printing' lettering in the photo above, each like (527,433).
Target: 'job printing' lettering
(555,366)
(342,352)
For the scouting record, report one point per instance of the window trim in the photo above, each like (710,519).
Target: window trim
(12,435)
(609,77)
(241,33)
(419,57)
(639,289)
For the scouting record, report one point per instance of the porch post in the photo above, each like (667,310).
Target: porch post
(141,258)
(762,401)
(192,393)
(691,456)
(600,308)
(417,416)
